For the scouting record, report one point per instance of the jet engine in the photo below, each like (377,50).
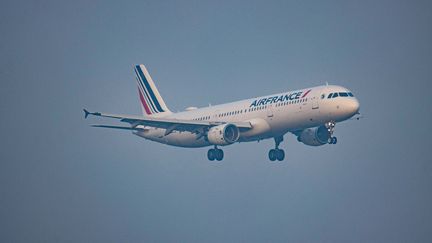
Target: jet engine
(314,136)
(223,134)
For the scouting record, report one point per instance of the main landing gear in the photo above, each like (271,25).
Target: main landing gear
(215,154)
(330,128)
(277,153)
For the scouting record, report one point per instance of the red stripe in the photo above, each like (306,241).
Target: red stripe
(307,92)
(147,110)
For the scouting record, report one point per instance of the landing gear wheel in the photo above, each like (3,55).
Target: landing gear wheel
(211,154)
(272,154)
(332,140)
(219,154)
(215,154)
(280,154)
(276,153)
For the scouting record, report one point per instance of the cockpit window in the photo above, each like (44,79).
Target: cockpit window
(340,94)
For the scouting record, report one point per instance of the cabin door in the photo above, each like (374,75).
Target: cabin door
(315,104)
(270,111)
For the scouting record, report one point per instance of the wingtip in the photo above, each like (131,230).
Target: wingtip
(86,113)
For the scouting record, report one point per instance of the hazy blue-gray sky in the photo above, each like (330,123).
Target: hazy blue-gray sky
(62,181)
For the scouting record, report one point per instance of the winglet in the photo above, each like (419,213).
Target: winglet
(86,113)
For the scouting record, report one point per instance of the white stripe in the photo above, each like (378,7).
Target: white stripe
(145,98)
(146,94)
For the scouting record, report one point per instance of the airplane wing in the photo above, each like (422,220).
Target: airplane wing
(167,123)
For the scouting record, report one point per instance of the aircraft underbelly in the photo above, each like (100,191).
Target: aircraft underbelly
(176,138)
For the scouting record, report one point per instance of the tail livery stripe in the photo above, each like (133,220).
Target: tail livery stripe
(143,102)
(144,91)
(145,97)
(152,96)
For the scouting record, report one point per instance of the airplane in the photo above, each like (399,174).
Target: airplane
(310,114)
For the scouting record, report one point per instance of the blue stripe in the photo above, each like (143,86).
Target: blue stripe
(149,89)
(151,106)
(146,96)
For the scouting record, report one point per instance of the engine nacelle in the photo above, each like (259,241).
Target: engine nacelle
(223,134)
(314,136)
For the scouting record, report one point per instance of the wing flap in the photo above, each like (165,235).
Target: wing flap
(118,127)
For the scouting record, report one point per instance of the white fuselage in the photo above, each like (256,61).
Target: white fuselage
(270,116)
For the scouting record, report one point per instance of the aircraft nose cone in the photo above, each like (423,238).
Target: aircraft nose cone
(353,106)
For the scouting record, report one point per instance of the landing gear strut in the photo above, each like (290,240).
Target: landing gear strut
(330,128)
(215,154)
(277,153)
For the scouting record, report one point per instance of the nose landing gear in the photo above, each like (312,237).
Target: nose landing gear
(332,140)
(330,128)
(277,153)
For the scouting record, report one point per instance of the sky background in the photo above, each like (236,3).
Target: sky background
(63,181)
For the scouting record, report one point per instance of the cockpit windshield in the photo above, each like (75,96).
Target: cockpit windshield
(341,94)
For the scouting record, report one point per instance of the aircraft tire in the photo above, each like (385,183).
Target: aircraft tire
(280,154)
(211,154)
(219,154)
(272,154)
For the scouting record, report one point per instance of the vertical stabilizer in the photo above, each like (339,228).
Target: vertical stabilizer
(151,100)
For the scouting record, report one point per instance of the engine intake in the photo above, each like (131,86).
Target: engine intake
(314,136)
(223,134)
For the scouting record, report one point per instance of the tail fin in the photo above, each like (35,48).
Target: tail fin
(151,100)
